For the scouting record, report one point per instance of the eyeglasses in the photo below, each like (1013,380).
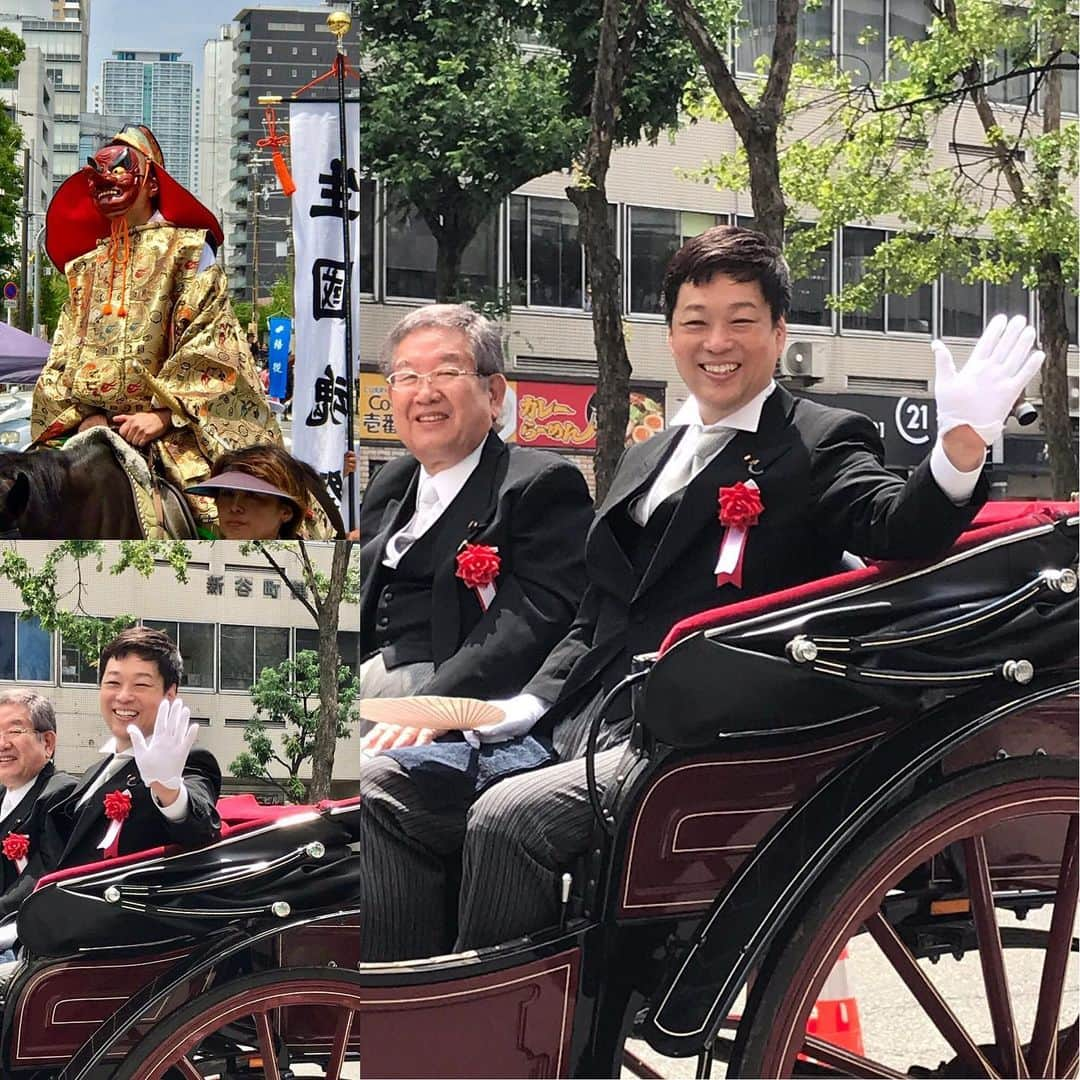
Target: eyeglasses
(16,733)
(441,378)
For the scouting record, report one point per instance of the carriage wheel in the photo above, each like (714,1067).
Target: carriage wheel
(235,1030)
(1013,1003)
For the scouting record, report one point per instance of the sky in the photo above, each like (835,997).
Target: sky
(124,24)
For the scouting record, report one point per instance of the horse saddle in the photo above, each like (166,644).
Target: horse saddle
(164,513)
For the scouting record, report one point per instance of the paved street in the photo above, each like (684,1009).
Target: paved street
(895,1032)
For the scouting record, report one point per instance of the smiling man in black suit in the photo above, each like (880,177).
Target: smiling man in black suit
(749,491)
(153,787)
(31,785)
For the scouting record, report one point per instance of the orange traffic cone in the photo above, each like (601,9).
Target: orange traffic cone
(835,1016)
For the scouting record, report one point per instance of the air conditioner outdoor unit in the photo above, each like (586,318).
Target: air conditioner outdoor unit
(803,360)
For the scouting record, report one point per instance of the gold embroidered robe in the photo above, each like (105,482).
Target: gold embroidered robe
(179,347)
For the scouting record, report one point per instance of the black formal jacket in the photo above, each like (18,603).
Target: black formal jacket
(824,489)
(73,832)
(28,818)
(535,508)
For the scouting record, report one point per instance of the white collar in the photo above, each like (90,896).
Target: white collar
(449,482)
(14,796)
(744,418)
(109,747)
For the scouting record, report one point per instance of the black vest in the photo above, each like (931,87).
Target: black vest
(402,630)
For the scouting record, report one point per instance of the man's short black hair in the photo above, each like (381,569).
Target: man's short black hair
(147,644)
(738,253)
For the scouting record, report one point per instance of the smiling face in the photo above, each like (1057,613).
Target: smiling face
(24,752)
(442,425)
(131,691)
(120,186)
(725,343)
(250,515)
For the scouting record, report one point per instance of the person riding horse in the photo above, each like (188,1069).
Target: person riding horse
(147,343)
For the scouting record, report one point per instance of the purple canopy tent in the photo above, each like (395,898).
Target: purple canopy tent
(22,356)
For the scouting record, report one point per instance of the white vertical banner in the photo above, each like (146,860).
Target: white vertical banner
(323,183)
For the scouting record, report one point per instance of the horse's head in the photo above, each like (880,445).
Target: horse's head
(14,497)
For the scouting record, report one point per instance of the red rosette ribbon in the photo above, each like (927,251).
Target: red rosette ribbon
(740,509)
(16,847)
(478,567)
(117,809)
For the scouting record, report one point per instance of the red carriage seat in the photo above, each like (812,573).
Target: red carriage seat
(995,519)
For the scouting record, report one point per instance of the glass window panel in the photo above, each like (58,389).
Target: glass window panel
(557,262)
(7,644)
(410,255)
(1069,83)
(654,238)
(480,259)
(74,668)
(859,244)
(757,31)
(1012,91)
(863,43)
(348,645)
(307,640)
(271,647)
(367,236)
(961,308)
(1071,316)
(519,249)
(912,314)
(34,661)
(197,649)
(808,292)
(1011,298)
(237,650)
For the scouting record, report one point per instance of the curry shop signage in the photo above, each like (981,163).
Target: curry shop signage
(548,415)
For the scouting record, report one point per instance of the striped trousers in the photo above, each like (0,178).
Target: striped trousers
(515,841)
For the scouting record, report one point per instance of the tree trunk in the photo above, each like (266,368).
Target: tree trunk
(1054,335)
(613,377)
(448,268)
(322,756)
(766,194)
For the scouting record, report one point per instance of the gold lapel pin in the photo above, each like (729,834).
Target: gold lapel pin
(753,465)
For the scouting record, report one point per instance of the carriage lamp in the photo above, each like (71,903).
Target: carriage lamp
(801,650)
(1063,581)
(112,894)
(315,850)
(281,908)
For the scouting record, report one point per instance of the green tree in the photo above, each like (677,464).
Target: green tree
(54,294)
(457,115)
(12,52)
(289,695)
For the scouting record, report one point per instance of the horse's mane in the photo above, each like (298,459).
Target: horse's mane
(45,469)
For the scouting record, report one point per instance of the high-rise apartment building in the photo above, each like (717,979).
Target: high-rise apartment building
(158,89)
(277,51)
(59,30)
(215,137)
(31,101)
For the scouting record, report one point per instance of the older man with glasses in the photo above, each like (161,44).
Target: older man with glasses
(31,785)
(471,557)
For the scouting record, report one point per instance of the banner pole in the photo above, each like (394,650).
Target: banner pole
(339,23)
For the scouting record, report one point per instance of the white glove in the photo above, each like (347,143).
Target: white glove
(520,714)
(983,392)
(162,759)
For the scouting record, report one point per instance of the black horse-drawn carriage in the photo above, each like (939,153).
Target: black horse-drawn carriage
(885,760)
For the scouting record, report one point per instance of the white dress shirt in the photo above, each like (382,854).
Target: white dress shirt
(14,796)
(176,811)
(434,493)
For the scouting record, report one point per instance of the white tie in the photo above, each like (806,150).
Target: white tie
(671,480)
(428,509)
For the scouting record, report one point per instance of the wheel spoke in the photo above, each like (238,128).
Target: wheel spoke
(341,1044)
(1045,1034)
(847,1063)
(926,994)
(187,1069)
(992,958)
(267,1047)
(1068,1051)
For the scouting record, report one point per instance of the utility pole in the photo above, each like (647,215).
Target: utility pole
(23,276)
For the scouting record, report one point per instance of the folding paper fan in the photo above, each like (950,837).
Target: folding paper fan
(439,713)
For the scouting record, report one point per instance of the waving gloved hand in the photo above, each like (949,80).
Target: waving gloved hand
(982,393)
(162,759)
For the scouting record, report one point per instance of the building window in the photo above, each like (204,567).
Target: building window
(1014,91)
(246,650)
(966,307)
(655,235)
(26,650)
(269,50)
(76,669)
(547,262)
(196,644)
(868,26)
(292,73)
(757,31)
(910,314)
(348,646)
(411,256)
(1069,82)
(295,50)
